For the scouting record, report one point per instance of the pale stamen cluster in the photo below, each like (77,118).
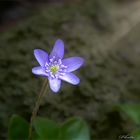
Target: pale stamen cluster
(55,68)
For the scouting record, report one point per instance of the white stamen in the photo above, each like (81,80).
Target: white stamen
(60,68)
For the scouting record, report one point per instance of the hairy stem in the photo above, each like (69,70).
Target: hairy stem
(36,108)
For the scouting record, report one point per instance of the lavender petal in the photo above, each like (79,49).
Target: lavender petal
(58,49)
(41,56)
(73,63)
(55,84)
(70,78)
(39,71)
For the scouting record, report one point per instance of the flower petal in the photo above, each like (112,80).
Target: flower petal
(39,71)
(73,63)
(70,78)
(58,49)
(41,56)
(55,84)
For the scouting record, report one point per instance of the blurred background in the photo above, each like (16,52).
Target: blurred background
(105,33)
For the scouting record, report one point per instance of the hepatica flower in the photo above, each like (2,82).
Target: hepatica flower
(56,68)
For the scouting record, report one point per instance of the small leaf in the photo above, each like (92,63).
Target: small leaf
(75,129)
(136,134)
(46,129)
(35,136)
(132,110)
(18,128)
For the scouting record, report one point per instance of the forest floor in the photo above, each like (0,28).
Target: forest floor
(106,34)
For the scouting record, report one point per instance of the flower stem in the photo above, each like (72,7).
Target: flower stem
(36,108)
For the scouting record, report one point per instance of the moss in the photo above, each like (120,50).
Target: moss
(109,76)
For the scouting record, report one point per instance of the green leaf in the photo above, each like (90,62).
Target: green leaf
(75,129)
(133,111)
(46,129)
(136,134)
(18,128)
(35,136)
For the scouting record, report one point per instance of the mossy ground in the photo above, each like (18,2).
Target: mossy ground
(110,75)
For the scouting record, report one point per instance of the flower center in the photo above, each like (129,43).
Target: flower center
(55,68)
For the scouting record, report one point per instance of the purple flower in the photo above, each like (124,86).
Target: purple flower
(56,68)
